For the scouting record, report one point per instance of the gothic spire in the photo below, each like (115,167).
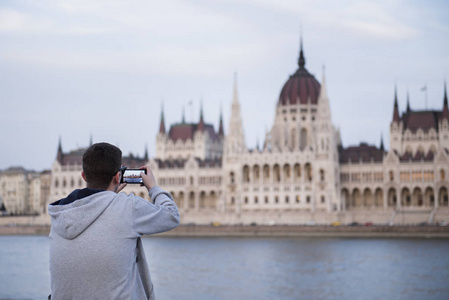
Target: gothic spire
(396,108)
(220,127)
(59,154)
(235,98)
(323,90)
(162,123)
(445,105)
(183,115)
(235,139)
(146,152)
(382,143)
(408,102)
(201,122)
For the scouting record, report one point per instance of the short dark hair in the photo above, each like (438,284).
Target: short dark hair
(101,162)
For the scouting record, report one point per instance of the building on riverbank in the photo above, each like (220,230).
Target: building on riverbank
(24,192)
(301,173)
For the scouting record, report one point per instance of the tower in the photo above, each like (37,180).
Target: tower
(235,140)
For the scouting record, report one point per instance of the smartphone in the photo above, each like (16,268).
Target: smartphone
(132,176)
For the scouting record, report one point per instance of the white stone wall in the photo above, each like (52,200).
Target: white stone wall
(20,191)
(65,179)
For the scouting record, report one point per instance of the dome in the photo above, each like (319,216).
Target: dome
(300,86)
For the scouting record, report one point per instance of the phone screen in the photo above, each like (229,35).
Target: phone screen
(132,176)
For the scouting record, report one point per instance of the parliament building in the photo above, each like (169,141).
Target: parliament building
(301,174)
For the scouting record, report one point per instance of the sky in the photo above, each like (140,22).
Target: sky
(102,70)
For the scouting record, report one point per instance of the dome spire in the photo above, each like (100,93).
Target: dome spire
(301,60)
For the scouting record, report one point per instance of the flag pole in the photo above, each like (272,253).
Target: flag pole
(424,89)
(426,96)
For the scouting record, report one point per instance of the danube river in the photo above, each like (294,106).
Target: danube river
(258,268)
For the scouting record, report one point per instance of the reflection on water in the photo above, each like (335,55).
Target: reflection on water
(238,268)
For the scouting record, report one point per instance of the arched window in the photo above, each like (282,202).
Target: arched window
(56,183)
(391,176)
(293,139)
(277,173)
(266,173)
(303,139)
(442,175)
(202,199)
(297,172)
(212,200)
(231,177)
(405,197)
(245,174)
(286,172)
(180,200)
(391,197)
(321,174)
(256,173)
(308,172)
(191,202)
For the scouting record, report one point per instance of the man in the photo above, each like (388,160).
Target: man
(95,246)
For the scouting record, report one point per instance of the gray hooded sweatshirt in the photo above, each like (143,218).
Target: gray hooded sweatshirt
(95,246)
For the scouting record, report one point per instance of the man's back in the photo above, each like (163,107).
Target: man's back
(93,249)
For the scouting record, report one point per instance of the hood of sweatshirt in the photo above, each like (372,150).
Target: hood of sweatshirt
(70,220)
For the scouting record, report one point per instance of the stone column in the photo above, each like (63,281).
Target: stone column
(436,197)
(197,201)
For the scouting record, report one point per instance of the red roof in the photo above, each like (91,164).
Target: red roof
(299,88)
(361,154)
(414,120)
(76,158)
(185,131)
(419,156)
(180,163)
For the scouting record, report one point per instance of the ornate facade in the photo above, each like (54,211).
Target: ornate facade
(302,172)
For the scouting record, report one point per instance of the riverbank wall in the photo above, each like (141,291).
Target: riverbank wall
(244,231)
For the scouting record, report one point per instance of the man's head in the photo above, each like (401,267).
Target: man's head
(101,163)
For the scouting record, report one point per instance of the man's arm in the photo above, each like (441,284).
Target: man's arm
(158,216)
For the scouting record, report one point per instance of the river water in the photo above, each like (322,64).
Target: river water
(258,268)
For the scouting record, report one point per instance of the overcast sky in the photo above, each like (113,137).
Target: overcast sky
(103,68)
